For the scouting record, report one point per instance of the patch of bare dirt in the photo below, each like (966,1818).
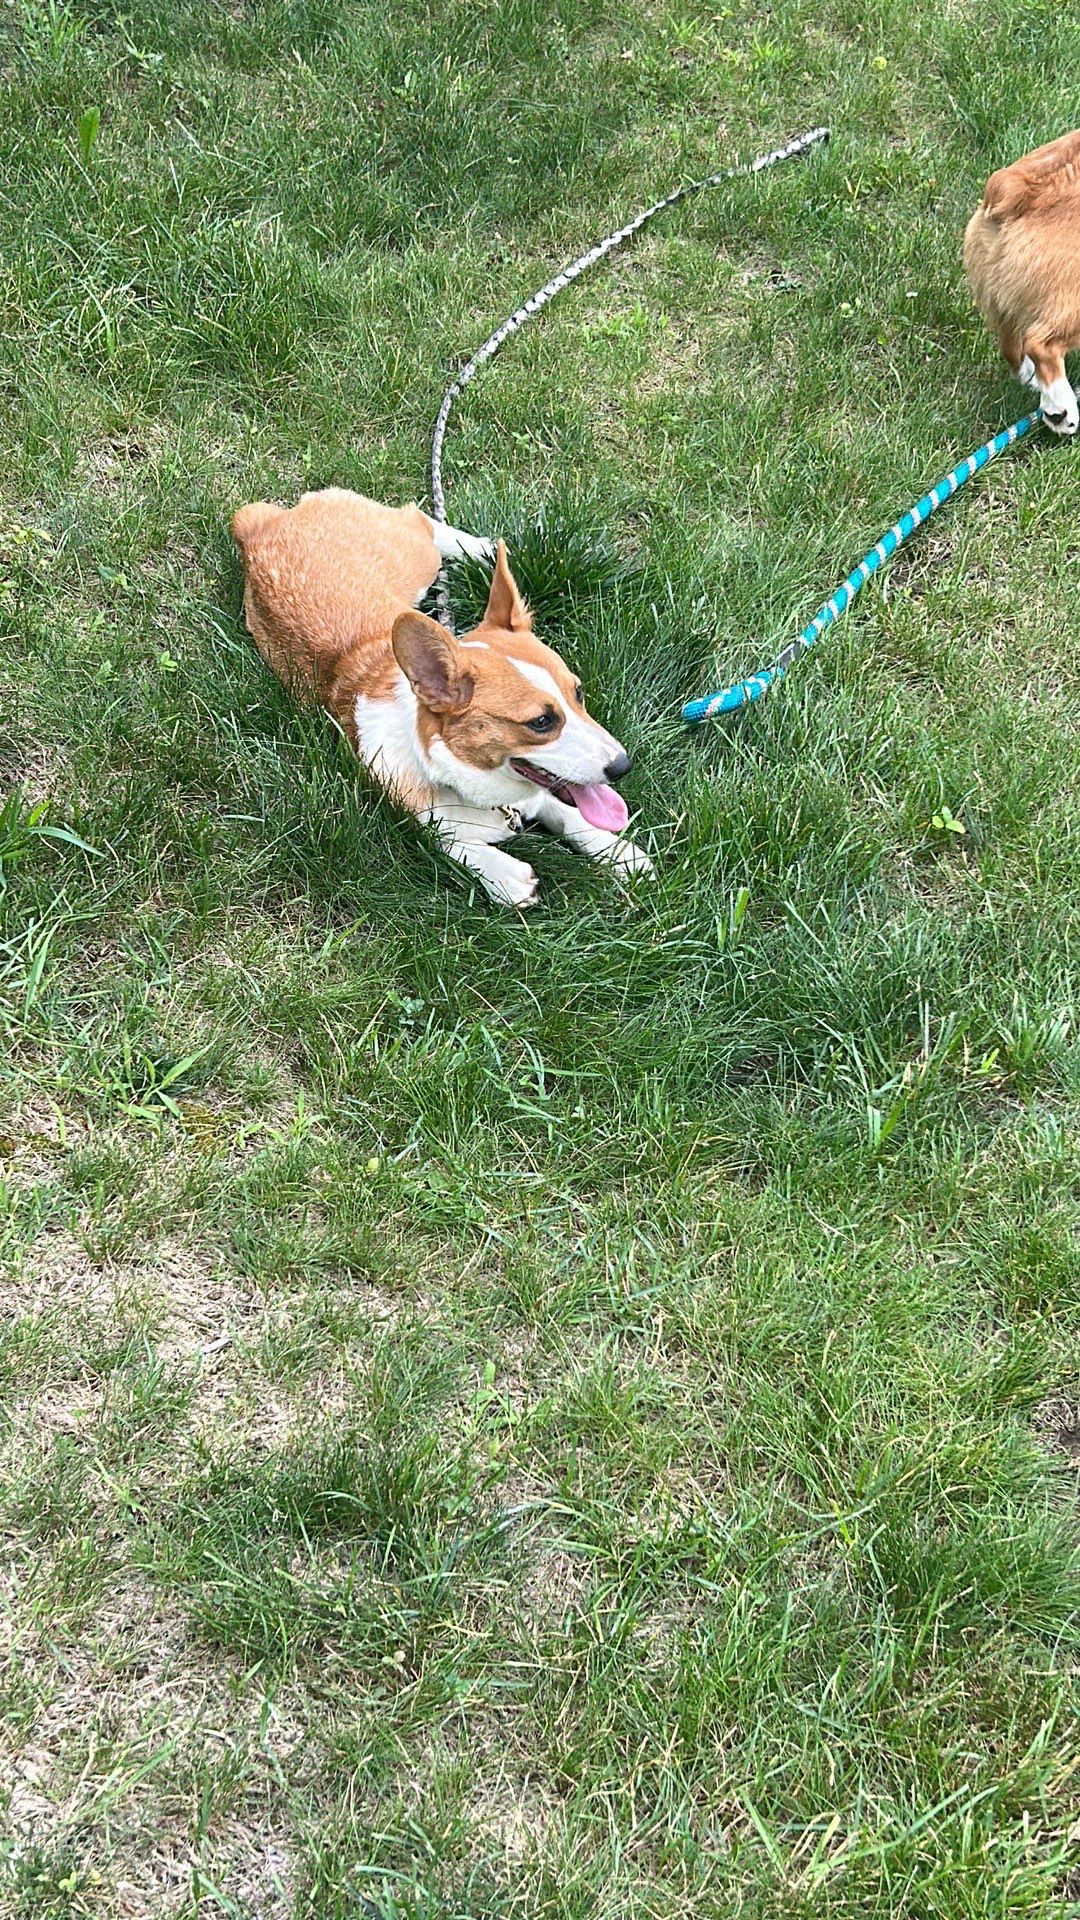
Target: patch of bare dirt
(139,1731)
(516,1817)
(1057,1422)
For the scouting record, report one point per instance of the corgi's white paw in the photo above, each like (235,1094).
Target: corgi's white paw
(1060,410)
(520,890)
(631,859)
(509,882)
(476,546)
(452,544)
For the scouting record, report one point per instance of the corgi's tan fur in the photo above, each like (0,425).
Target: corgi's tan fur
(480,735)
(1022,259)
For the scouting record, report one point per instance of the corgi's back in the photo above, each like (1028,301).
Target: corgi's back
(1039,183)
(328,577)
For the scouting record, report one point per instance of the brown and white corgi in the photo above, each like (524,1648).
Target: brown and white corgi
(1022,259)
(482,735)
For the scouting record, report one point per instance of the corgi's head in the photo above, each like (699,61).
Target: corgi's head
(499,714)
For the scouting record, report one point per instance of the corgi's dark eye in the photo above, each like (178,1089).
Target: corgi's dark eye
(578,695)
(542,722)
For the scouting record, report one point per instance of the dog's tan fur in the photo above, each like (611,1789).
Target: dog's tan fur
(330,592)
(324,582)
(1022,259)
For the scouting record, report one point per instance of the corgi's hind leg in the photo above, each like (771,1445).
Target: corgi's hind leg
(1012,348)
(1059,404)
(455,545)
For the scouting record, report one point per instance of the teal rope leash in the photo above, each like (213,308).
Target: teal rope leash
(745,691)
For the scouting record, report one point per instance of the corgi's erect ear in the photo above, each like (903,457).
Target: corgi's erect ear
(428,658)
(505,607)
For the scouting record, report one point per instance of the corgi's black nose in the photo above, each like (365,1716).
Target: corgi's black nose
(619,767)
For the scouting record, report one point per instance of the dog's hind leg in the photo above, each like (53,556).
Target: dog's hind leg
(455,545)
(1012,349)
(1059,404)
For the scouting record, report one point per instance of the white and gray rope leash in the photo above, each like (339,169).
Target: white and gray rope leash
(564,279)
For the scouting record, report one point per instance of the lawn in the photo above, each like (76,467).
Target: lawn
(578,1416)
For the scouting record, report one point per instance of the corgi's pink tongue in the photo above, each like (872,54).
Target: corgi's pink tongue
(601,807)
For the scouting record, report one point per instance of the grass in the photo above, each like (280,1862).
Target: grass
(573,1419)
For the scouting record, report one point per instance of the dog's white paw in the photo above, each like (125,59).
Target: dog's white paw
(631,859)
(1060,410)
(476,547)
(453,544)
(509,882)
(518,891)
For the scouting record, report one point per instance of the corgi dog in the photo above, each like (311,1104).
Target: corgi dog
(1022,259)
(483,735)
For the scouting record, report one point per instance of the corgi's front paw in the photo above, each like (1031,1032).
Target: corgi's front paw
(630,859)
(521,889)
(509,882)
